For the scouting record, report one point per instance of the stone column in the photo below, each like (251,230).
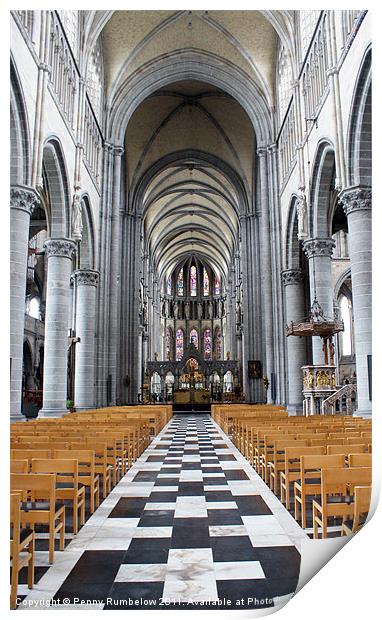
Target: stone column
(23,201)
(86,281)
(356,202)
(266,270)
(319,251)
(296,347)
(59,253)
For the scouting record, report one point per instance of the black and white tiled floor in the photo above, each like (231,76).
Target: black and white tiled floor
(190,525)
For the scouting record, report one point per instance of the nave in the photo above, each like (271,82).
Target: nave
(189,524)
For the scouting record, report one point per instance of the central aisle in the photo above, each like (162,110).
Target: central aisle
(191,522)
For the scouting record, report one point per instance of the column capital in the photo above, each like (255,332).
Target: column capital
(118,150)
(24,198)
(262,151)
(85,277)
(318,247)
(64,248)
(292,276)
(355,198)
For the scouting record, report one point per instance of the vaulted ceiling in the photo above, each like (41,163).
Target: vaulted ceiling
(190,144)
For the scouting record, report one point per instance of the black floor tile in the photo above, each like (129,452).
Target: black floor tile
(224,517)
(190,533)
(232,549)
(279,562)
(227,457)
(164,496)
(252,505)
(146,476)
(191,466)
(236,474)
(219,496)
(92,576)
(147,551)
(166,482)
(155,459)
(128,507)
(190,488)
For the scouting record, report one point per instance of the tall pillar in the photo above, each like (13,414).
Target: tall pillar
(356,202)
(296,347)
(59,253)
(319,252)
(266,269)
(23,201)
(86,281)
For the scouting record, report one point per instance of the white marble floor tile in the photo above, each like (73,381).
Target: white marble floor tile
(228,530)
(238,570)
(153,532)
(221,505)
(141,572)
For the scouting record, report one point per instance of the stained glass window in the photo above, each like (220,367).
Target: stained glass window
(217,285)
(206,282)
(168,343)
(194,339)
(169,286)
(179,344)
(193,281)
(207,344)
(180,284)
(218,344)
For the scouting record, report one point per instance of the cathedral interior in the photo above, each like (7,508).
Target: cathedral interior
(190,215)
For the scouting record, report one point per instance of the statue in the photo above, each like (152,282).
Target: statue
(187,310)
(200,310)
(221,308)
(209,309)
(331,353)
(238,313)
(302,213)
(77,225)
(176,310)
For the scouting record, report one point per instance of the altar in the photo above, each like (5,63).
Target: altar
(192,380)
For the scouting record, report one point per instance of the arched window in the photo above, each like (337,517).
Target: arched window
(207,344)
(284,81)
(206,283)
(308,21)
(193,281)
(169,285)
(345,336)
(168,343)
(217,285)
(194,338)
(218,343)
(179,344)
(69,20)
(34,308)
(94,82)
(180,284)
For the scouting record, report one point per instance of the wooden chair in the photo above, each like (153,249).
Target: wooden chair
(277,462)
(362,499)
(346,449)
(19,466)
(67,484)
(335,500)
(86,471)
(310,479)
(101,464)
(41,507)
(22,542)
(360,460)
(292,470)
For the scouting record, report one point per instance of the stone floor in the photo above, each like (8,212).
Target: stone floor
(190,525)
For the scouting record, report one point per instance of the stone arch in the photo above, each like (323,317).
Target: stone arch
(322,185)
(19,132)
(57,189)
(183,65)
(292,247)
(359,132)
(88,235)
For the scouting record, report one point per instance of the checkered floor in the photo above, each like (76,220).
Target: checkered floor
(190,525)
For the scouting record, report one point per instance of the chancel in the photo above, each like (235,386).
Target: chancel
(190,303)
